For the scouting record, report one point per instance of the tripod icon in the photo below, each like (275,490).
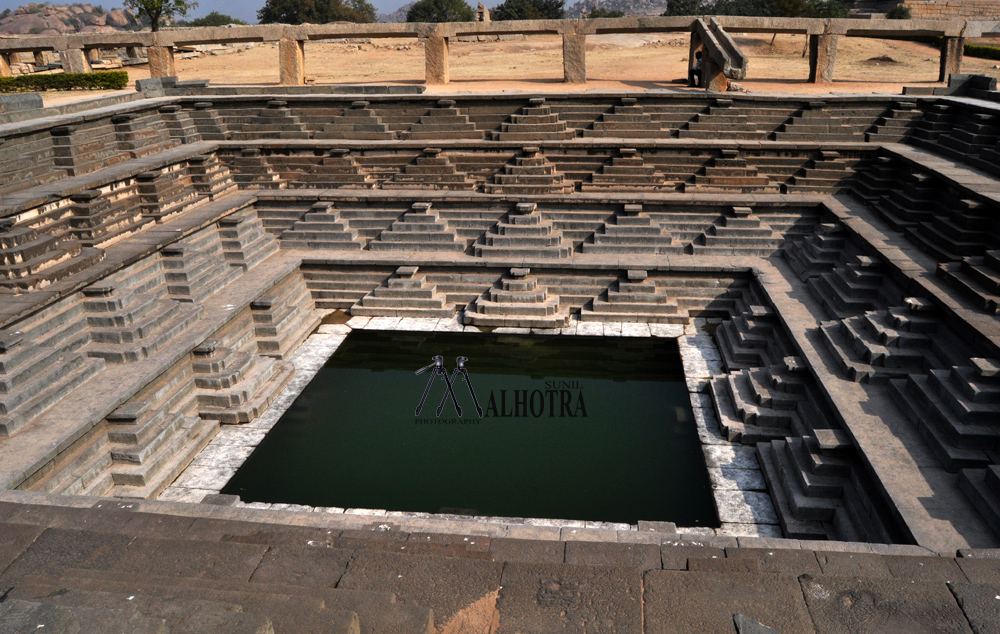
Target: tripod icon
(438,369)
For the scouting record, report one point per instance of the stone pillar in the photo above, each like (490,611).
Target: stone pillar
(822,57)
(952,51)
(5,66)
(715,79)
(292,62)
(574,58)
(74,61)
(39,58)
(131,52)
(436,60)
(93,54)
(161,61)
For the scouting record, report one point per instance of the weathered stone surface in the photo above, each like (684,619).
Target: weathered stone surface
(161,61)
(291,62)
(574,58)
(436,60)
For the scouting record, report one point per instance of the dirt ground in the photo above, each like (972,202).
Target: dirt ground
(614,62)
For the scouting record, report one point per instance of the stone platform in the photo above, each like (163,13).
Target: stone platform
(827,267)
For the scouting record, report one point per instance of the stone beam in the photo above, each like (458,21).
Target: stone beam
(436,60)
(574,58)
(822,58)
(161,61)
(74,61)
(292,62)
(952,51)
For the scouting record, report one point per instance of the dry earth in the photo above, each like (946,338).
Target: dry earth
(614,62)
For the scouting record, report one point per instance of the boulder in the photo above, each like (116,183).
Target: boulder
(117,18)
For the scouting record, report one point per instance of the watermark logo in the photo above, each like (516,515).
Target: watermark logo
(438,370)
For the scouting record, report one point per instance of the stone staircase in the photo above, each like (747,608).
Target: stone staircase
(445,121)
(433,170)
(819,122)
(893,343)
(210,177)
(630,231)
(627,121)
(341,289)
(818,253)
(858,284)
(245,244)
(30,259)
(194,268)
(982,487)
(179,124)
(977,278)
(517,300)
(831,173)
(322,228)
(726,120)
(276,121)
(208,122)
(339,170)
(628,172)
(956,411)
(142,134)
(284,316)
(739,230)
(525,232)
(251,170)
(419,229)
(898,124)
(754,339)
(530,174)
(534,122)
(634,298)
(87,147)
(359,121)
(729,172)
(959,227)
(101,218)
(405,294)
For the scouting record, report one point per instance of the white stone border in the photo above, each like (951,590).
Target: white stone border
(739,490)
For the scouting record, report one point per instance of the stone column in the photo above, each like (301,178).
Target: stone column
(39,58)
(93,54)
(715,79)
(131,52)
(822,57)
(292,62)
(436,60)
(574,58)
(74,61)
(952,51)
(161,61)
(5,66)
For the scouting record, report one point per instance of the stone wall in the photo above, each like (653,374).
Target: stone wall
(948,9)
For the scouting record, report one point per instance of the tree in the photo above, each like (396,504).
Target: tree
(682,7)
(899,12)
(215,19)
(440,11)
(316,11)
(529,10)
(157,10)
(601,12)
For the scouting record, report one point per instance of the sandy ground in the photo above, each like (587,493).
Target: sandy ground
(614,62)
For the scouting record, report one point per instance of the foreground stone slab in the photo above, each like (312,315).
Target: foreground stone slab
(679,602)
(867,606)
(567,598)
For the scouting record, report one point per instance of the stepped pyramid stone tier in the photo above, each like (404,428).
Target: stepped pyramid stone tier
(419,229)
(179,124)
(630,231)
(433,170)
(405,294)
(524,233)
(166,192)
(207,121)
(977,277)
(445,121)
(628,121)
(530,174)
(194,268)
(730,172)
(322,228)
(209,177)
(276,121)
(741,229)
(253,171)
(339,169)
(357,122)
(634,298)
(518,301)
(628,172)
(30,259)
(534,122)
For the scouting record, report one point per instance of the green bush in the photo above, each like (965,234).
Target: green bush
(529,10)
(440,11)
(985,52)
(104,80)
(899,12)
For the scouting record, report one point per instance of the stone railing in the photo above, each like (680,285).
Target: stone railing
(823,35)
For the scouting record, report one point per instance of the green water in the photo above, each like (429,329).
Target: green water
(601,430)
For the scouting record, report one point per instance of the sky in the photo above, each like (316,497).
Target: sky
(242,9)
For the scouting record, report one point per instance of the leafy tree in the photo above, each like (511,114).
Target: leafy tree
(682,7)
(899,12)
(215,19)
(529,10)
(158,10)
(781,8)
(316,11)
(440,11)
(601,12)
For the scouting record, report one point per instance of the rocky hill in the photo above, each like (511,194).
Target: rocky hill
(55,19)
(630,7)
(399,15)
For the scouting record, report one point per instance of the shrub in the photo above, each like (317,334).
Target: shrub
(899,12)
(682,7)
(600,12)
(529,10)
(214,19)
(440,11)
(985,52)
(316,11)
(103,80)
